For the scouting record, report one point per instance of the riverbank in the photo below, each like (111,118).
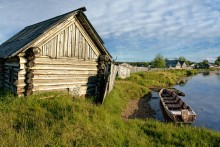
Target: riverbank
(66,121)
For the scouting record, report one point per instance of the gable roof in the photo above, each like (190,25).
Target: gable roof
(26,37)
(173,63)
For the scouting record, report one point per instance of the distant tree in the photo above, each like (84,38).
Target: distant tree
(205,62)
(159,61)
(181,58)
(217,61)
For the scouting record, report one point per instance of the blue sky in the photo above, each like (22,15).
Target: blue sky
(132,30)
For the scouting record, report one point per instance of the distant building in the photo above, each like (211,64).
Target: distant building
(175,64)
(124,70)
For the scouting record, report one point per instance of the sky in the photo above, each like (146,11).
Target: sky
(132,30)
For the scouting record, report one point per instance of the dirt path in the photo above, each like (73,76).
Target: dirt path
(138,109)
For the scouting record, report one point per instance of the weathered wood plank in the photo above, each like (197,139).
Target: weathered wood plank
(53,48)
(86,51)
(66,43)
(69,44)
(80,45)
(58,46)
(73,40)
(56,87)
(44,59)
(86,36)
(63,72)
(61,43)
(65,67)
(77,43)
(64,81)
(49,77)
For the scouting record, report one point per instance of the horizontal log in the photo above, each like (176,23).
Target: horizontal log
(22,54)
(62,82)
(15,69)
(28,92)
(65,67)
(67,80)
(29,75)
(6,76)
(36,50)
(14,64)
(22,60)
(50,77)
(29,86)
(62,87)
(63,72)
(30,63)
(14,59)
(10,86)
(67,61)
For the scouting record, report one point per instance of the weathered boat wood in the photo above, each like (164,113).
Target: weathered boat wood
(175,108)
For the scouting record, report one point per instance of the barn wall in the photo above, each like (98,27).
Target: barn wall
(11,69)
(78,76)
(1,72)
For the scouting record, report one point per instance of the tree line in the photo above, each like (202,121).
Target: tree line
(160,62)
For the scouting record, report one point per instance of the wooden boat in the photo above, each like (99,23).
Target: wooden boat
(175,108)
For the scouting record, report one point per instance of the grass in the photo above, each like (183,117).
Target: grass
(65,121)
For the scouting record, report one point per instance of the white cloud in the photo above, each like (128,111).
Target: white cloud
(172,25)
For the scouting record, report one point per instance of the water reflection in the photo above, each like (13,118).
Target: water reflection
(202,94)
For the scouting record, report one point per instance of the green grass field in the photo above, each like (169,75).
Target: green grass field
(61,120)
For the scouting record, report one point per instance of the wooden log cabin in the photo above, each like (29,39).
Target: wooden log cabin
(61,53)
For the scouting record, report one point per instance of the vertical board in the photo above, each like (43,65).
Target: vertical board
(66,43)
(61,43)
(58,47)
(77,42)
(70,42)
(80,45)
(69,50)
(73,40)
(83,48)
(86,51)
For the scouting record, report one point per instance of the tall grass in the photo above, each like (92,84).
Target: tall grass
(65,121)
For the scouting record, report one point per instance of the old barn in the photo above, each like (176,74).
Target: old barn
(61,53)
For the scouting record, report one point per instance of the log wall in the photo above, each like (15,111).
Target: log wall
(78,76)
(1,72)
(11,70)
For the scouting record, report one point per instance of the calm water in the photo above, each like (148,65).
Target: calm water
(203,95)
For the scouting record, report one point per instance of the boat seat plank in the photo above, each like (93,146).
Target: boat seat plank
(170,102)
(171,99)
(165,95)
(173,106)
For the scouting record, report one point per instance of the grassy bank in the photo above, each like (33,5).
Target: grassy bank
(65,121)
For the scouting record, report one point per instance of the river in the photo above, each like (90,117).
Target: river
(203,95)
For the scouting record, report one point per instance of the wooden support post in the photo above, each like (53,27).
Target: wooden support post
(102,77)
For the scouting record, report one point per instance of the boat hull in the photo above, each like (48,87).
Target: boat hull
(175,108)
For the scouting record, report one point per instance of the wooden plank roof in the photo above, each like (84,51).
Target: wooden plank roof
(26,37)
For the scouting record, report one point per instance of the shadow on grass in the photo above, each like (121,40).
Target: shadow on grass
(144,109)
(6,95)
